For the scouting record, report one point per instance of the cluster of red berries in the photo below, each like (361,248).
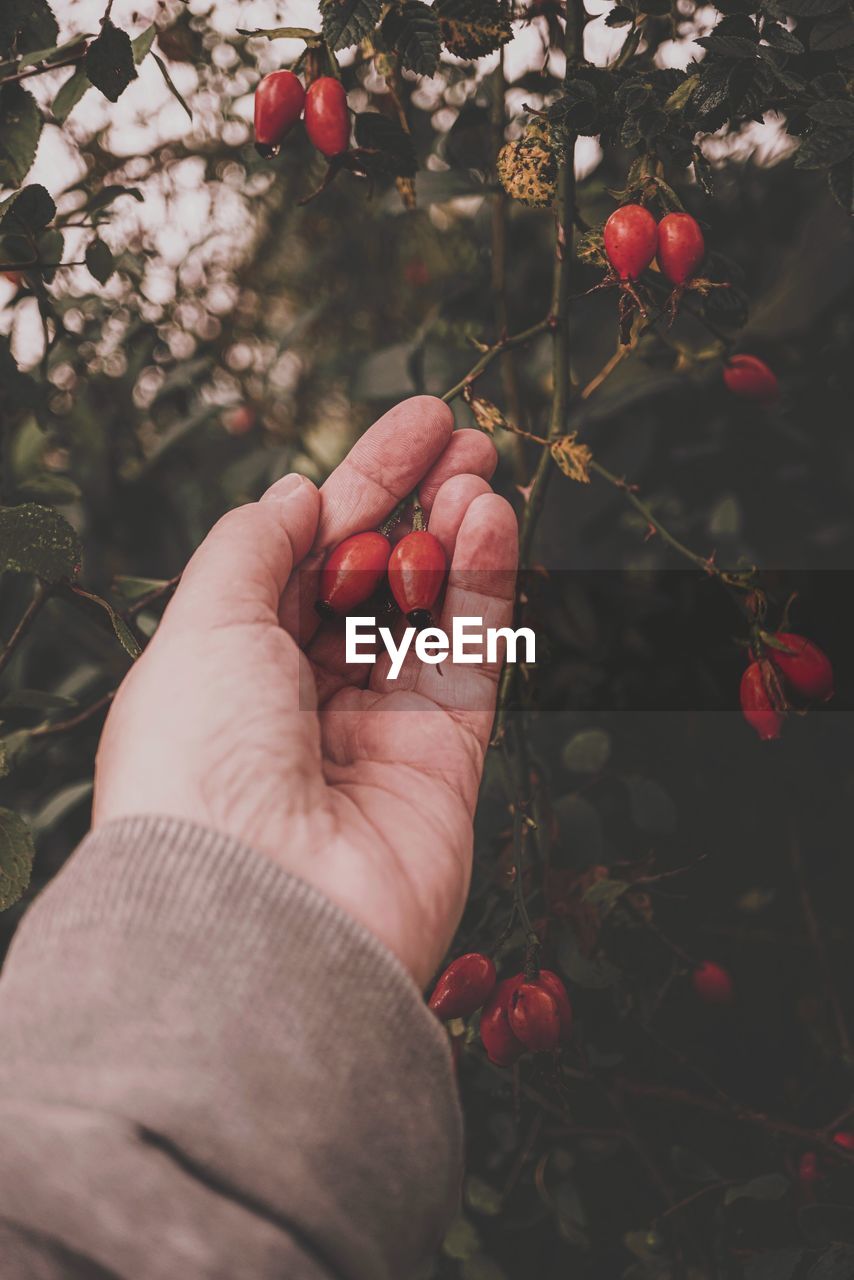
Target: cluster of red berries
(280,100)
(359,566)
(522,1013)
(633,238)
(786,663)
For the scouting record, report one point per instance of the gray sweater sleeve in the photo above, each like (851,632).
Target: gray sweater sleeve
(209,1070)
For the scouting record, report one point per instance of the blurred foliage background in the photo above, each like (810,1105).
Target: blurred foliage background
(235,334)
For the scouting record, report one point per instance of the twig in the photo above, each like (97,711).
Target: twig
(498,348)
(65,726)
(819,946)
(40,68)
(34,608)
(151,597)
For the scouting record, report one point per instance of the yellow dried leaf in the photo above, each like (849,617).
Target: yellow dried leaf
(487,415)
(573,458)
(406,191)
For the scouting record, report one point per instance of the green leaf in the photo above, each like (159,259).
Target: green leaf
(810,8)
(20,129)
(170,83)
(38,540)
(840,179)
(108,195)
(588,751)
(471,29)
(346,22)
(594,973)
(70,94)
(461,1240)
(123,633)
(779,38)
(580,840)
(652,809)
(824,148)
(142,44)
(396,152)
(49,487)
(481,1197)
(834,112)
(481,1267)
(28,210)
(16,857)
(619,16)
(413,30)
(133,588)
(771,1186)
(833,32)
(604,893)
(26,25)
(61,803)
(728,46)
(99,260)
(281,33)
(35,700)
(109,62)
(53,52)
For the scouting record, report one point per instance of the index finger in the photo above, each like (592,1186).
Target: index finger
(381,469)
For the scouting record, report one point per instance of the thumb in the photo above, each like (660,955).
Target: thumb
(240,570)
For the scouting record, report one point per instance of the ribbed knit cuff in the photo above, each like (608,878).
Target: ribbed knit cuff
(176,977)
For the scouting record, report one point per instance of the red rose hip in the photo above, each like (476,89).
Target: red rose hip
(498,1040)
(712,983)
(681,247)
(279,102)
(416,571)
(352,572)
(806,669)
(465,985)
(534,1018)
(557,991)
(751,379)
(327,119)
(631,238)
(757,705)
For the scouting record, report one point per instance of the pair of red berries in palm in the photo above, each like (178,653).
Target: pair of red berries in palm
(280,100)
(356,569)
(790,662)
(519,1013)
(633,238)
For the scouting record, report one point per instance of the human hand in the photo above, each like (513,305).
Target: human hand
(243,716)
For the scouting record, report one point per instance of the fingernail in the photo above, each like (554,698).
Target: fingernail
(286,486)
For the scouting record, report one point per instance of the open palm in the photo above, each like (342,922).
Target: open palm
(243,716)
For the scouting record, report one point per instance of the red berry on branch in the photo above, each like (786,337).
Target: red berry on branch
(807,670)
(279,101)
(464,986)
(534,1017)
(761,711)
(631,238)
(327,119)
(681,247)
(749,377)
(712,983)
(808,1171)
(352,572)
(557,991)
(498,1039)
(416,571)
(844,1140)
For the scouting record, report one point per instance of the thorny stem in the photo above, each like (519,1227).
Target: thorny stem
(40,68)
(498,348)
(509,372)
(34,608)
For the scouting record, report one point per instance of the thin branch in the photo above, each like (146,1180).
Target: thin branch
(65,726)
(151,597)
(40,68)
(34,608)
(498,348)
(819,946)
